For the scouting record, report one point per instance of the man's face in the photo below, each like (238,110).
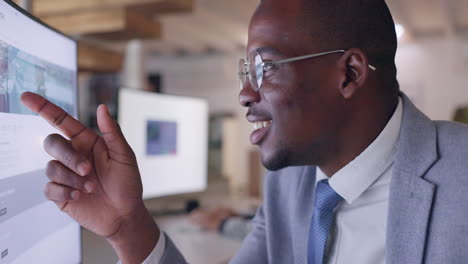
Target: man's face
(301,99)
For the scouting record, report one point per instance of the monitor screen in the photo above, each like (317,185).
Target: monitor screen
(33,58)
(169,135)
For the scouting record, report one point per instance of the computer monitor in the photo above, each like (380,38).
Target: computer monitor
(36,58)
(169,135)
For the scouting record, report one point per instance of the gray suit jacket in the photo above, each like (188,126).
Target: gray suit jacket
(428,206)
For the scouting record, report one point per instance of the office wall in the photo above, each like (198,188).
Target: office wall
(212,77)
(434,73)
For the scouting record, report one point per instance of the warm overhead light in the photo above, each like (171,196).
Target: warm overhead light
(400,31)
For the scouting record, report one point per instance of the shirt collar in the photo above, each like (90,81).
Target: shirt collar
(358,175)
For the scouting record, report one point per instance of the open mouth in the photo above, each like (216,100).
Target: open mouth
(261,124)
(260,130)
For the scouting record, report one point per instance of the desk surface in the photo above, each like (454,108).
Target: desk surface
(198,246)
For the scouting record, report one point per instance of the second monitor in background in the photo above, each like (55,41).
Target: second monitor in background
(169,136)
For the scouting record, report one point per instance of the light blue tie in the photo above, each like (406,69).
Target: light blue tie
(326,199)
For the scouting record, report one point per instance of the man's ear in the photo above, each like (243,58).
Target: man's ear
(355,67)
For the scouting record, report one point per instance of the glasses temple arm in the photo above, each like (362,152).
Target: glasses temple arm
(307,56)
(313,56)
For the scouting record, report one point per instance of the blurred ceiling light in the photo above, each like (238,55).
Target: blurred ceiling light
(400,31)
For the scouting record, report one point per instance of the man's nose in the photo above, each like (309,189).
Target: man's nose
(248,95)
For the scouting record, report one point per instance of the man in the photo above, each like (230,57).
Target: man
(359,174)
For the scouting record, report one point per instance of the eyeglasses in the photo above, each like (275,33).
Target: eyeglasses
(255,71)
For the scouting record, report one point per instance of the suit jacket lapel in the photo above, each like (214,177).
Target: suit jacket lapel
(305,200)
(411,196)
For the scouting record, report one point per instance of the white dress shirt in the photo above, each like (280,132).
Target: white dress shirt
(158,251)
(358,233)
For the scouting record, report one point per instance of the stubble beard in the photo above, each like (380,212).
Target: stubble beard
(280,159)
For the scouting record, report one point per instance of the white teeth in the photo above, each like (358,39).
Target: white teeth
(260,125)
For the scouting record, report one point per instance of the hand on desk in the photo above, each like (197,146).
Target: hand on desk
(211,219)
(95,180)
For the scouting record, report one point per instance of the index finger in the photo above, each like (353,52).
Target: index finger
(53,114)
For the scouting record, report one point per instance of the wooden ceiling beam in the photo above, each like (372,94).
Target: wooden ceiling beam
(238,31)
(110,24)
(163,7)
(461,8)
(92,58)
(448,9)
(183,38)
(191,28)
(149,7)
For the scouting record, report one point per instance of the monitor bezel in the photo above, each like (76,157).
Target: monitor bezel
(40,22)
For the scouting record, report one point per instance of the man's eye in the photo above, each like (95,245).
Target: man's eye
(268,67)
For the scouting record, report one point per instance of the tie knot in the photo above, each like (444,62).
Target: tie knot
(325,197)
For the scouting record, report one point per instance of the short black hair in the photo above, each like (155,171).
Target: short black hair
(344,24)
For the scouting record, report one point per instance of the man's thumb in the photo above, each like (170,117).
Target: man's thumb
(111,132)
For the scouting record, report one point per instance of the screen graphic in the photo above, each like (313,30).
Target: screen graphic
(21,72)
(161,138)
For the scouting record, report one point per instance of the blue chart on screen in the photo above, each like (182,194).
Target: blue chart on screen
(161,138)
(21,72)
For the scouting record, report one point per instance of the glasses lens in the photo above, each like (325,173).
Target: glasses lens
(258,70)
(255,70)
(242,73)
